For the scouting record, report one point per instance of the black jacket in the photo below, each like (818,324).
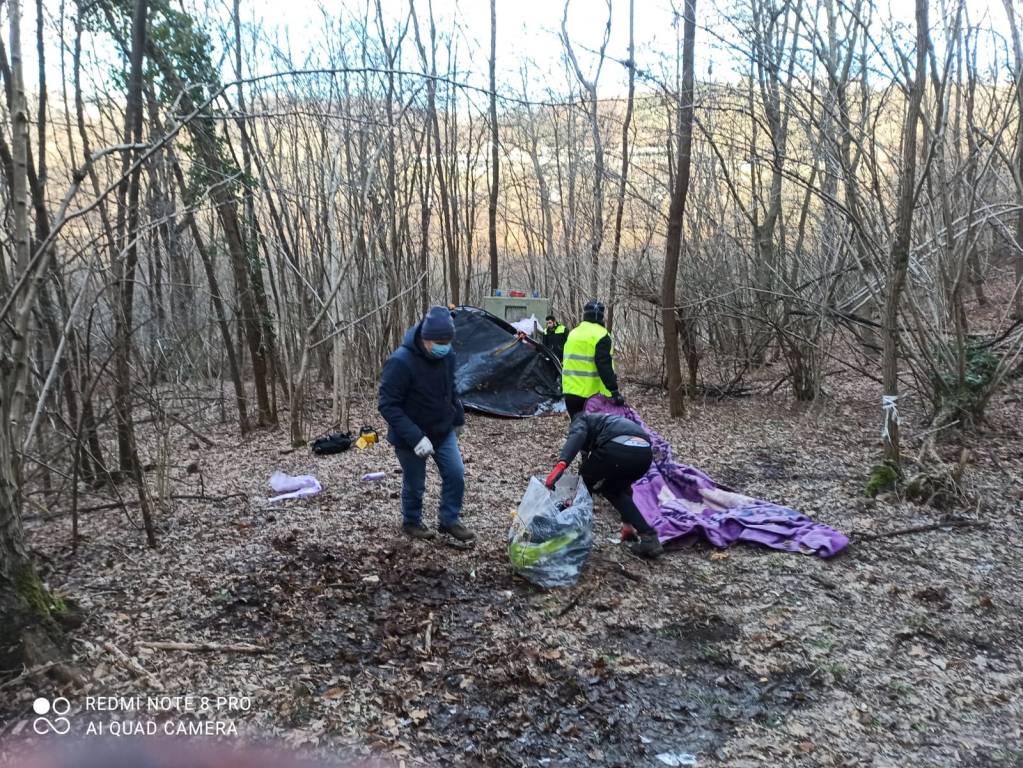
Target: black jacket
(417,394)
(602,359)
(554,340)
(591,432)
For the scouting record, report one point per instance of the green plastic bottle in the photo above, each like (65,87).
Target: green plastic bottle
(524,554)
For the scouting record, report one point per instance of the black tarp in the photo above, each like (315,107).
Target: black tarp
(498,375)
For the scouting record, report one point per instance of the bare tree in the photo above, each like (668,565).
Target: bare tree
(623,179)
(900,248)
(676,213)
(593,114)
(495,161)
(28,634)
(128,219)
(1017,169)
(255,312)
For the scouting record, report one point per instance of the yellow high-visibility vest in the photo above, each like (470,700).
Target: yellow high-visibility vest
(579,375)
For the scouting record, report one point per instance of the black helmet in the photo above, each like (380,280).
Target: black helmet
(594,311)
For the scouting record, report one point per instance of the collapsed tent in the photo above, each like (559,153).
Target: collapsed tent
(498,374)
(677,500)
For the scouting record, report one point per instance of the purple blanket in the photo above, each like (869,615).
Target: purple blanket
(677,499)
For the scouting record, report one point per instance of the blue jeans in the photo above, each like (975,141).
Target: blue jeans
(413,484)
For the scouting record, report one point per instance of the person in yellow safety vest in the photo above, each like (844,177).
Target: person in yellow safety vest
(554,337)
(588,367)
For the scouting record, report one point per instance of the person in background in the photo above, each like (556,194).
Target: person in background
(424,418)
(554,337)
(588,365)
(617,453)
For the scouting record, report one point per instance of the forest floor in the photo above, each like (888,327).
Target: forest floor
(907,649)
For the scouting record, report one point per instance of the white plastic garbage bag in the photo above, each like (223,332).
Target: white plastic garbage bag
(552,532)
(293,486)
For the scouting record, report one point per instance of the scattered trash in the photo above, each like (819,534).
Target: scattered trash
(677,759)
(372,477)
(549,540)
(374,579)
(367,436)
(293,487)
(334,443)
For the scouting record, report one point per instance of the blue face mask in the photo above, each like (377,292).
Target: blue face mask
(440,350)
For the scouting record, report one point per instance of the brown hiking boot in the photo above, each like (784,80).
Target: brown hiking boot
(457,531)
(648,546)
(418,531)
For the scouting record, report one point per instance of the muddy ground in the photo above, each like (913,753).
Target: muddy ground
(904,650)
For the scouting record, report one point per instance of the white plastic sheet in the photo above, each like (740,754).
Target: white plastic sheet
(527,325)
(293,486)
(677,759)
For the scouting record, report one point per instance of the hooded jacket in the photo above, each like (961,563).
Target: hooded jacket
(592,432)
(417,394)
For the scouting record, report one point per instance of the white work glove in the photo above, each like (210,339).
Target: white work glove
(424,448)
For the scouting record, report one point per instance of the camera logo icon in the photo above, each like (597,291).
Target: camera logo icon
(59,724)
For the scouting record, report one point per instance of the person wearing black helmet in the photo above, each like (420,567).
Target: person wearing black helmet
(588,365)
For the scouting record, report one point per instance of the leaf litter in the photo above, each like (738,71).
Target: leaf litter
(904,650)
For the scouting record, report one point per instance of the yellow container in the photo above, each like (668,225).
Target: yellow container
(366,438)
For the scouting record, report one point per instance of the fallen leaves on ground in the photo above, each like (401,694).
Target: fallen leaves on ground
(902,651)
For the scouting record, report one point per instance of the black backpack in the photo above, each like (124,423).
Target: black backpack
(335,443)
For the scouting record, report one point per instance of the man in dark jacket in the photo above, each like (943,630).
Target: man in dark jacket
(554,337)
(617,453)
(424,417)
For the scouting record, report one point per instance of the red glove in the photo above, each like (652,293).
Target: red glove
(629,533)
(557,472)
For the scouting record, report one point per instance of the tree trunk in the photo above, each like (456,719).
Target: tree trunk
(427,185)
(248,284)
(612,293)
(676,213)
(447,178)
(1017,49)
(28,635)
(899,258)
(494,158)
(125,271)
(590,86)
(221,312)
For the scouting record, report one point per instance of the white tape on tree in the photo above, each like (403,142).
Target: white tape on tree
(891,414)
